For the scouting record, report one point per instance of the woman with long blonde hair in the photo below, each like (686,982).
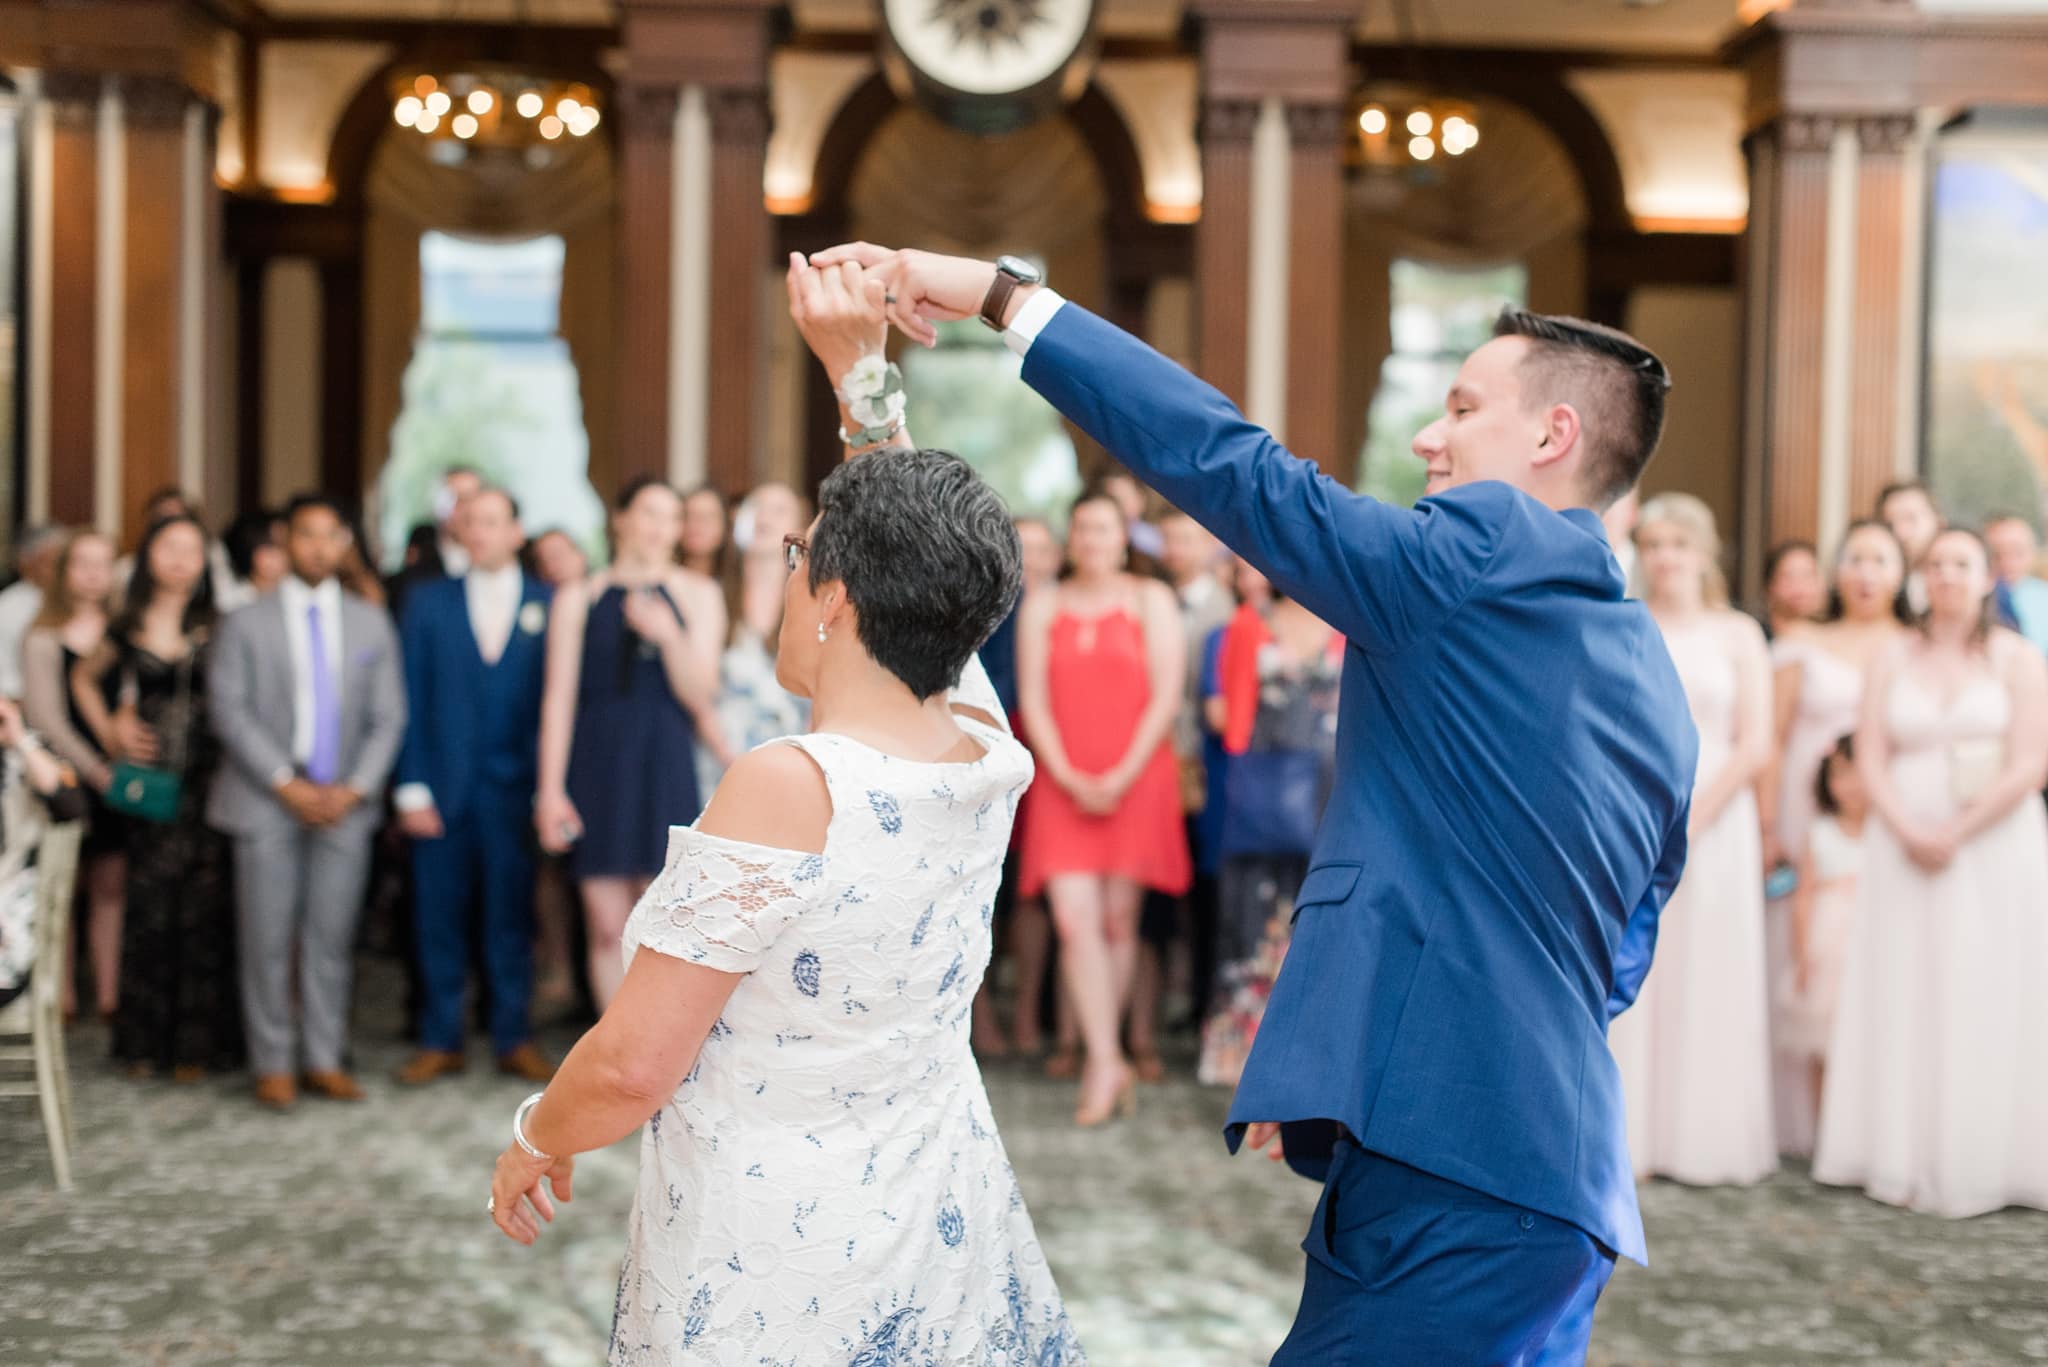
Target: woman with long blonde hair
(1695,1053)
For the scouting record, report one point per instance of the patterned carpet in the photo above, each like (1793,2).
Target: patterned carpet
(205,1232)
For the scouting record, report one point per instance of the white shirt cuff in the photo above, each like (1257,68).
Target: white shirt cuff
(413,797)
(1032,318)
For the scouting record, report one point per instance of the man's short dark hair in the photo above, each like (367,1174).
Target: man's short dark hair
(929,557)
(302,503)
(245,536)
(1617,384)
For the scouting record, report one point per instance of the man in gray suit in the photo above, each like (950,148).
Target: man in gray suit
(306,693)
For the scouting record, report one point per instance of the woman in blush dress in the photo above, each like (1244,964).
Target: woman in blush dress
(1695,1053)
(1817,699)
(1935,1096)
(821,1181)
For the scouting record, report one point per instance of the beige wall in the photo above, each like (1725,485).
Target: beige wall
(1698,332)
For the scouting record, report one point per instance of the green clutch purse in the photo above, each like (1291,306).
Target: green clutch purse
(149,794)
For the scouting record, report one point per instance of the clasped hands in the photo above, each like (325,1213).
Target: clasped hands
(842,298)
(317,804)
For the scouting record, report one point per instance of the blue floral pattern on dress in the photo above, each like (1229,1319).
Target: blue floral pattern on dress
(805,973)
(802,1135)
(887,812)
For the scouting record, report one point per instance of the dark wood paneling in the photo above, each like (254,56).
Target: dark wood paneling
(249,383)
(74,291)
(740,247)
(647,154)
(341,380)
(1797,303)
(1223,244)
(154,136)
(1315,285)
(260,227)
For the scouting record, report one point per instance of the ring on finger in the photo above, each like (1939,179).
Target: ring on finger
(491,1204)
(888,298)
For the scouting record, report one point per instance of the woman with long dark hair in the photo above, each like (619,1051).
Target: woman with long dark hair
(632,668)
(179,1010)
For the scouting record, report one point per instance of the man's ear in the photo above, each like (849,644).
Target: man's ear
(1561,432)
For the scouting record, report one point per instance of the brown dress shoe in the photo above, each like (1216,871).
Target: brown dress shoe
(277,1091)
(429,1064)
(526,1062)
(333,1084)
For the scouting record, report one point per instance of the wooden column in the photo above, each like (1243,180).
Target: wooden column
(1879,368)
(646,171)
(1223,243)
(1315,286)
(74,174)
(740,244)
(151,404)
(1793,295)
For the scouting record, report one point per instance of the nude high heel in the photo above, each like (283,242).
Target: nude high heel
(1123,1104)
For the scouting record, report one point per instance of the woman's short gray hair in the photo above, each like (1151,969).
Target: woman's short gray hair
(928,555)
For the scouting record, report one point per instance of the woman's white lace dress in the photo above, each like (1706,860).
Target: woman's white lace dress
(827,1185)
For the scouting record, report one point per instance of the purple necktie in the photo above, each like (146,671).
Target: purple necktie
(323,765)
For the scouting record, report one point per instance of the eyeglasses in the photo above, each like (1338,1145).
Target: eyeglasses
(795,550)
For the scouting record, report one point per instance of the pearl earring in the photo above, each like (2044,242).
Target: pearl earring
(821,633)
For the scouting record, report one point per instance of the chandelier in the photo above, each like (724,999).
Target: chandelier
(495,109)
(1397,129)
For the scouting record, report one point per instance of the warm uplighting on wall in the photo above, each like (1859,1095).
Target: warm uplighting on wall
(497,109)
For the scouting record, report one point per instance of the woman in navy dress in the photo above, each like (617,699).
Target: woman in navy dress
(632,670)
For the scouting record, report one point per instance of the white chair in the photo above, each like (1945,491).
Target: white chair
(37,1015)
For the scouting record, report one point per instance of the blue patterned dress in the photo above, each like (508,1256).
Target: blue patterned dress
(827,1185)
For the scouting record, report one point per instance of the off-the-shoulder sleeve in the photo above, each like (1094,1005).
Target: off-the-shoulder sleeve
(722,903)
(976,691)
(1787,651)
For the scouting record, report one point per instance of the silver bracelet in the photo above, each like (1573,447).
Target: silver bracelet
(519,1127)
(868,438)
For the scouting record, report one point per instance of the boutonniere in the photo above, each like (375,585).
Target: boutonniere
(533,619)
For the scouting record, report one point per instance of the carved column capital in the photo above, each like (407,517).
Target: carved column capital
(1806,132)
(648,110)
(1318,125)
(1228,120)
(739,115)
(1885,133)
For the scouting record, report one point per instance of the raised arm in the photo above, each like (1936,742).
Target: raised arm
(1383,576)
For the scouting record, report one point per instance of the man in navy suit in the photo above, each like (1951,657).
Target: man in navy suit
(1514,775)
(475,652)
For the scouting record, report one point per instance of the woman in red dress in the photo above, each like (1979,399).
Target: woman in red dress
(1100,661)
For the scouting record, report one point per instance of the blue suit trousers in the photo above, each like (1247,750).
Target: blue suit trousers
(483,857)
(1406,1267)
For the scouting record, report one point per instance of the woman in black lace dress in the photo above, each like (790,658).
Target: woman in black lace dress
(179,1009)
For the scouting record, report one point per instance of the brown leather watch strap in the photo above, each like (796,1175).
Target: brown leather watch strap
(998,299)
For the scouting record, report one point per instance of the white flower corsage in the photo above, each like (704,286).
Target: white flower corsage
(872,390)
(533,619)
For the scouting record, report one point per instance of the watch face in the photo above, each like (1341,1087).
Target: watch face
(988,47)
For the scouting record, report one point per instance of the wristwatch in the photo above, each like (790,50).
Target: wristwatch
(1011,271)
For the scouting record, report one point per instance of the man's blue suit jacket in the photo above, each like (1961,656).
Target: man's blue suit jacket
(471,722)
(1514,772)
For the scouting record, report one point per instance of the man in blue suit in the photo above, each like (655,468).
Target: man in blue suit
(475,652)
(1514,773)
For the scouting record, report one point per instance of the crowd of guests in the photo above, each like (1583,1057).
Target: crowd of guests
(1848,970)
